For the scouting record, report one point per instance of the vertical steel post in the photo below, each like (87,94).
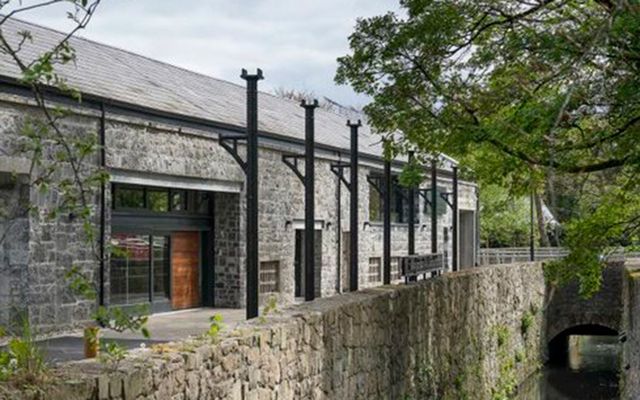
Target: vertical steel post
(353,188)
(532,249)
(434,207)
(386,234)
(252,192)
(456,217)
(309,200)
(412,214)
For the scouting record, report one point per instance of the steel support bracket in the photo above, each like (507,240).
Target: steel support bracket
(424,193)
(291,161)
(445,197)
(230,144)
(338,170)
(375,182)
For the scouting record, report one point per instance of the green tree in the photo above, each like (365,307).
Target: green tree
(504,218)
(524,92)
(62,161)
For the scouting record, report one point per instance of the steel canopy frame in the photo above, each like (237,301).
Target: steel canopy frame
(352,186)
(456,222)
(411,234)
(308,179)
(434,207)
(250,167)
(430,196)
(383,185)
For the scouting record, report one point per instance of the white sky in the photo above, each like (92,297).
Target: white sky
(295,42)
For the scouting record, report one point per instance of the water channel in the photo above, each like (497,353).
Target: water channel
(588,371)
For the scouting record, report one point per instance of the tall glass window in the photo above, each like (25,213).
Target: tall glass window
(130,269)
(161,265)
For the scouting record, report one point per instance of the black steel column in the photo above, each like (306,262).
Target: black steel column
(412,214)
(386,234)
(252,192)
(434,207)
(309,201)
(532,249)
(353,186)
(455,219)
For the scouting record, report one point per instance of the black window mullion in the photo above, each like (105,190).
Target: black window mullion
(151,268)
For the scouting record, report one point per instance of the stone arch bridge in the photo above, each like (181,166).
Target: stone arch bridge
(603,314)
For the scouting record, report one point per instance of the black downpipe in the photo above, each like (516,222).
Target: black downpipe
(103,203)
(353,187)
(309,201)
(456,222)
(386,239)
(434,207)
(252,191)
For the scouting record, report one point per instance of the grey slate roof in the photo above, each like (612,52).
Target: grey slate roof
(117,74)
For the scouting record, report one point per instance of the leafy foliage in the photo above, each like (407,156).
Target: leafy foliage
(119,320)
(63,160)
(524,93)
(504,218)
(22,361)
(215,326)
(112,353)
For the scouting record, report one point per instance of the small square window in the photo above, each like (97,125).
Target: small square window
(158,200)
(178,200)
(202,202)
(269,277)
(375,269)
(126,197)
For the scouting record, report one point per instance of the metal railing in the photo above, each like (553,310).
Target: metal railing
(509,255)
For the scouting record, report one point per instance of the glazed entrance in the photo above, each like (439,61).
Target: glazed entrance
(159,246)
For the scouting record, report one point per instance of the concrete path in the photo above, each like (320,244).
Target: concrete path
(165,327)
(178,325)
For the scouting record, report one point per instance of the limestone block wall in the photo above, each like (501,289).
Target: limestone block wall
(38,250)
(568,309)
(14,246)
(160,149)
(630,363)
(457,336)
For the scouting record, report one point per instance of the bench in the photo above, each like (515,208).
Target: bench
(414,265)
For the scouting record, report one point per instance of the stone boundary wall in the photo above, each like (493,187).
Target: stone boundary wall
(473,334)
(630,363)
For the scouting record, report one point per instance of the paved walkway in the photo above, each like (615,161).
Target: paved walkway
(178,325)
(163,327)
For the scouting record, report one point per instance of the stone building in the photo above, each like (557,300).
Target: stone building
(175,202)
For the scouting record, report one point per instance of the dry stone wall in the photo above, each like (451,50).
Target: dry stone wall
(457,336)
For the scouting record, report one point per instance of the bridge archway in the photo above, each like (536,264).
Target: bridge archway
(558,346)
(567,310)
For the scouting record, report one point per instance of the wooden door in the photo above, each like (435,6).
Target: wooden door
(185,270)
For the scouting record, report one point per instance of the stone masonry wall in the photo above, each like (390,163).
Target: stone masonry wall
(14,247)
(457,336)
(40,250)
(163,149)
(229,247)
(630,363)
